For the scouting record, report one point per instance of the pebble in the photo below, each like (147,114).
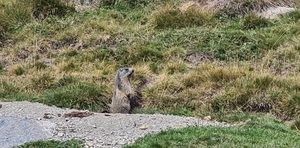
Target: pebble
(60,134)
(207,118)
(144,127)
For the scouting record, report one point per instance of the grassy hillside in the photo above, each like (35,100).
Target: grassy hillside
(190,61)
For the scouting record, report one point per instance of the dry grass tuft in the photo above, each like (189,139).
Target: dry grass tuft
(172,17)
(284,61)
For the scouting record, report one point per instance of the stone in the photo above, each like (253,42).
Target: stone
(48,116)
(60,134)
(144,127)
(207,118)
(26,129)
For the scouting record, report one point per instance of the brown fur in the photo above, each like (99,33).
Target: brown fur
(123,92)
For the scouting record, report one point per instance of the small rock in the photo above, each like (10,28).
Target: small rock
(207,118)
(48,116)
(144,127)
(72,130)
(0,105)
(60,134)
(89,144)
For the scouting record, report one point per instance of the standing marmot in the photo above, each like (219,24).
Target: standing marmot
(123,99)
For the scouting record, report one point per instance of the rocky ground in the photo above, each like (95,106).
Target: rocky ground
(22,122)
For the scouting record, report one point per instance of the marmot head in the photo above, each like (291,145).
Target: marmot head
(122,80)
(125,72)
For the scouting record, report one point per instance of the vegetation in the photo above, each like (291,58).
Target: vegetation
(54,144)
(173,17)
(258,132)
(194,61)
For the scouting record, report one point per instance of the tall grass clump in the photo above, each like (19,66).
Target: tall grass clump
(192,90)
(172,17)
(260,93)
(12,92)
(17,13)
(252,21)
(43,8)
(78,96)
(284,61)
(212,89)
(14,15)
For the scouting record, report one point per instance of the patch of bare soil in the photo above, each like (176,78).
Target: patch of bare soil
(78,114)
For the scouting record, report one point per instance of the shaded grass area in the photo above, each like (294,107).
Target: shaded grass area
(258,132)
(54,144)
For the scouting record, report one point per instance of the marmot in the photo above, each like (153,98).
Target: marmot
(124,98)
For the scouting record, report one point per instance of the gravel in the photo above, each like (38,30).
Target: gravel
(22,122)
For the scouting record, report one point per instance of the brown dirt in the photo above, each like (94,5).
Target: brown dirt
(78,114)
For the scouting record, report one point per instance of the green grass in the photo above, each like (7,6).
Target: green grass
(258,132)
(54,144)
(79,96)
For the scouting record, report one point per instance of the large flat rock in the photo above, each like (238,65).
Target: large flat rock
(15,131)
